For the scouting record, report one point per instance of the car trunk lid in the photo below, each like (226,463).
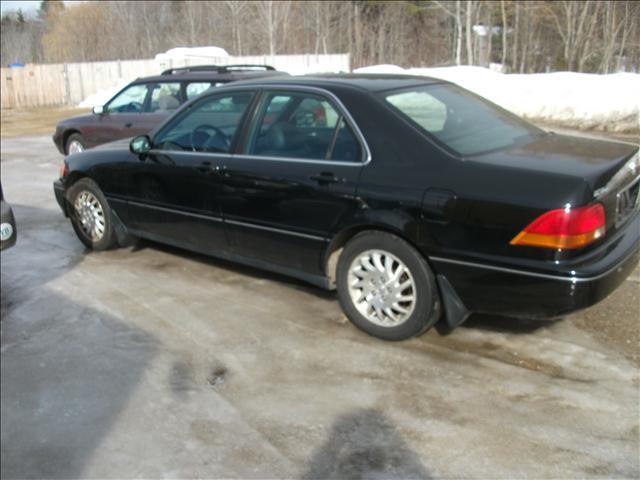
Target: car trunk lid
(595,161)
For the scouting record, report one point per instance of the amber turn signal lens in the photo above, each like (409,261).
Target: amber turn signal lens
(564,228)
(64,170)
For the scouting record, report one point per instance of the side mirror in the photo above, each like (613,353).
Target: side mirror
(140,144)
(98,110)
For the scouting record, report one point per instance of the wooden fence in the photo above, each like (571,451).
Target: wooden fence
(70,83)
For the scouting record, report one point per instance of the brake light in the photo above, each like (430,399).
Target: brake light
(564,228)
(64,170)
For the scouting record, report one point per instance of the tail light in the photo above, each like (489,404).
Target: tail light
(564,228)
(64,170)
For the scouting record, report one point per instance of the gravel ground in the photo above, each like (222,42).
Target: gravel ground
(154,362)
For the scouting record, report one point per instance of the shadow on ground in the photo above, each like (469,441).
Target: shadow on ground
(67,370)
(364,444)
(238,268)
(492,323)
(499,324)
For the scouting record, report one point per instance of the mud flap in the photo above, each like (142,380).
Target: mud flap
(122,234)
(455,313)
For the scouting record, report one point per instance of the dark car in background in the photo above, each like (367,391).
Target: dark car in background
(416,199)
(8,233)
(146,102)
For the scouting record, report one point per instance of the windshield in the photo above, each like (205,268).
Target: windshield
(465,123)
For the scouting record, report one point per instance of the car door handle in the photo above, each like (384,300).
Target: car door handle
(325,178)
(208,169)
(128,125)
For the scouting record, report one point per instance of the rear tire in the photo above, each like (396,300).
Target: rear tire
(75,144)
(386,287)
(90,215)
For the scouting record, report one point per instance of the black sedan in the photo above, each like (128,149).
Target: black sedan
(417,200)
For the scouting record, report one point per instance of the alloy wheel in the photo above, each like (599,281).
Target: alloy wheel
(90,215)
(382,288)
(75,147)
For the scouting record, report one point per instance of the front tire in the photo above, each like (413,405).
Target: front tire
(386,287)
(90,215)
(75,144)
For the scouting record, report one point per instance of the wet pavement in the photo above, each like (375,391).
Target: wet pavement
(154,362)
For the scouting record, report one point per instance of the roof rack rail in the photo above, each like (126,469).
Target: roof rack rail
(217,68)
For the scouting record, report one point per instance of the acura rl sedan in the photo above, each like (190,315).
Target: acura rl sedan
(418,201)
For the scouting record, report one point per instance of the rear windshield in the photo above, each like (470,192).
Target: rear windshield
(465,123)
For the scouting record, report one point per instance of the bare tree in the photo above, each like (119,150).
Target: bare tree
(537,35)
(236,7)
(271,17)
(505,29)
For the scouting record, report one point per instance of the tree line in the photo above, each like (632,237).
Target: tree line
(524,36)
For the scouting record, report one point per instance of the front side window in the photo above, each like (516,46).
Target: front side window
(164,97)
(208,126)
(303,126)
(465,123)
(130,100)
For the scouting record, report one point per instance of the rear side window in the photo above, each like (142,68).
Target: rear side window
(302,126)
(465,123)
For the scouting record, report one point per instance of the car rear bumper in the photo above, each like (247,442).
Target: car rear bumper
(527,292)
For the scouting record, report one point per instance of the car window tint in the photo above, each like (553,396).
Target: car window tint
(130,100)
(164,97)
(346,147)
(296,125)
(209,126)
(464,122)
(196,88)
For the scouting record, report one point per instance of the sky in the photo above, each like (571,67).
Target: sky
(7,6)
(27,6)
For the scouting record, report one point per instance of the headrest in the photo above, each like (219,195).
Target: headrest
(284,136)
(168,102)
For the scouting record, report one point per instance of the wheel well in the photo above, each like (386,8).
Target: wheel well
(74,177)
(65,138)
(70,180)
(336,246)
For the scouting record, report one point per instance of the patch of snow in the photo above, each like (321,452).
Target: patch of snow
(192,52)
(383,69)
(103,96)
(578,100)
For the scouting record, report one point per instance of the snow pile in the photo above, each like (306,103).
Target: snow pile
(192,52)
(103,96)
(578,100)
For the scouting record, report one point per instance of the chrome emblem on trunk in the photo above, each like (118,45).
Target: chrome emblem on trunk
(627,201)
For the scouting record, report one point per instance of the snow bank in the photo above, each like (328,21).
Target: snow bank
(103,96)
(192,52)
(577,100)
